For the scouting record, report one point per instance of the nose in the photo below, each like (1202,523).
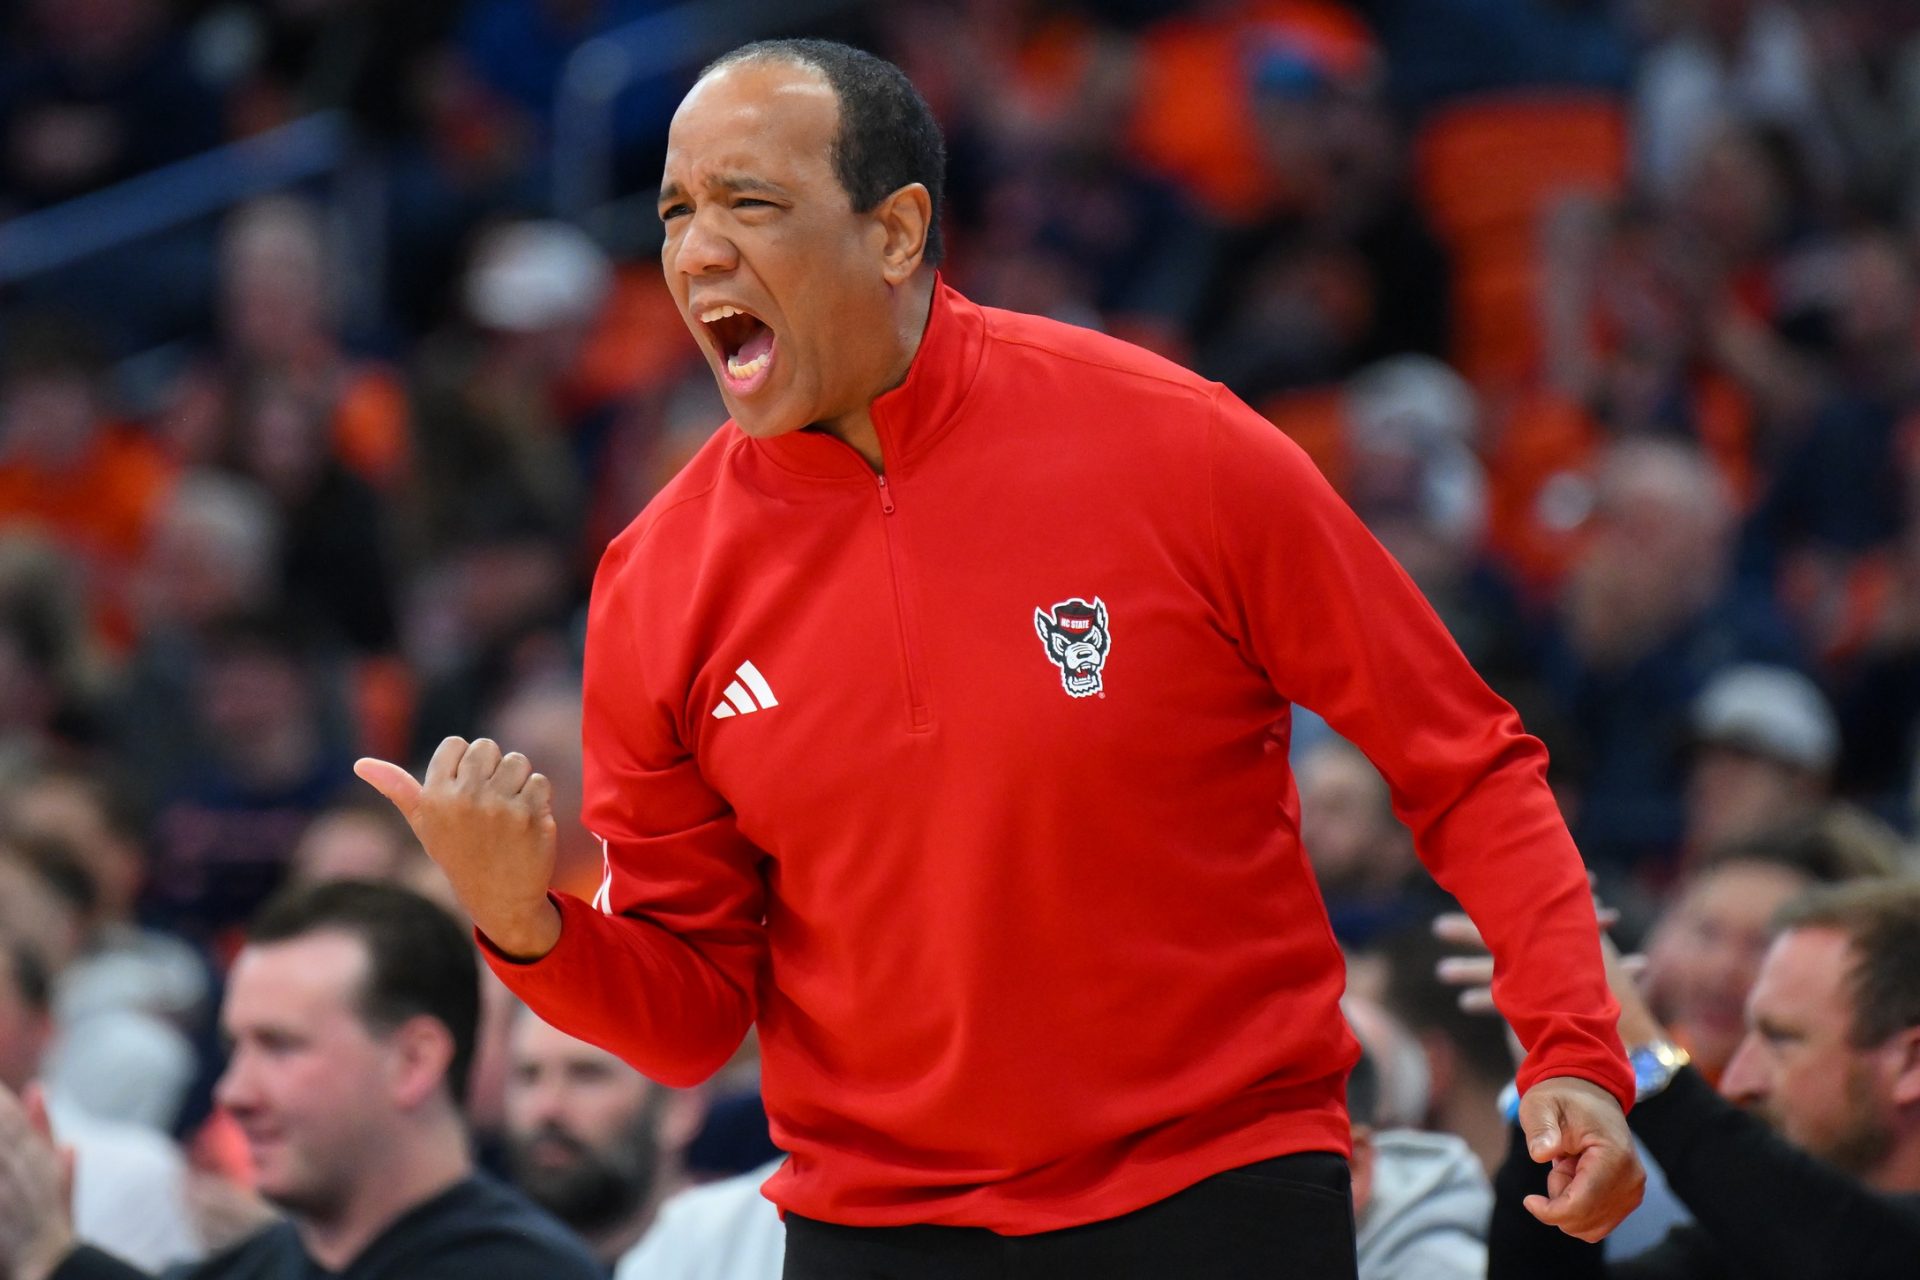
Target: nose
(235,1089)
(700,249)
(1745,1079)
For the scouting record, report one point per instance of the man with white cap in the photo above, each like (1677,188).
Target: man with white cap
(1765,744)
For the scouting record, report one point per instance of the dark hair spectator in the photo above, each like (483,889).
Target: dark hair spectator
(419,961)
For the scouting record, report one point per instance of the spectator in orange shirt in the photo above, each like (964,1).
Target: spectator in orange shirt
(67,467)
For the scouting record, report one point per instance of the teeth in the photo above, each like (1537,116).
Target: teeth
(747,370)
(719,313)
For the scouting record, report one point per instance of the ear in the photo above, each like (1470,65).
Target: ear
(1100,614)
(906,219)
(1904,1052)
(1040,625)
(422,1051)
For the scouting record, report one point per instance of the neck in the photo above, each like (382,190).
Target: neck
(416,1168)
(913,304)
(1899,1173)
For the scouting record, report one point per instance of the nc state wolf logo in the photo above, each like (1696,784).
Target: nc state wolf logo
(1077,640)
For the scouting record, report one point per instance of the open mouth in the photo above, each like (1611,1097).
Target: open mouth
(745,344)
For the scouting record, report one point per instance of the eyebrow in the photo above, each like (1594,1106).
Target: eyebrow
(731,182)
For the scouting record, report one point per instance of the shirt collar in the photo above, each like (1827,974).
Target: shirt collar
(913,416)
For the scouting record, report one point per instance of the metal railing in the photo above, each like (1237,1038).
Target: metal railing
(150,204)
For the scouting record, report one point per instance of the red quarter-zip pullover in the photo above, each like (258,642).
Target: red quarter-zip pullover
(969,783)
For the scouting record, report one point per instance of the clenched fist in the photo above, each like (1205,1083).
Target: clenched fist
(487,819)
(1596,1179)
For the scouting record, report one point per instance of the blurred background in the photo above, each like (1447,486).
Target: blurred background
(333,348)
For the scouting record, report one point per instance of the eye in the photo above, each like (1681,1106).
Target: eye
(1059,644)
(1094,638)
(673,211)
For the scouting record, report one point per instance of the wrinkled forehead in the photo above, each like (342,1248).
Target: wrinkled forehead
(761,119)
(1807,971)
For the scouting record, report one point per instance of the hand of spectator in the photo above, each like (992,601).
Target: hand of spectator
(1474,974)
(36,1189)
(487,820)
(1596,1178)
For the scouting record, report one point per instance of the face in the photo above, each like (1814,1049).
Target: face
(1346,821)
(1705,954)
(63,809)
(1798,1066)
(1733,794)
(581,1126)
(309,1083)
(757,222)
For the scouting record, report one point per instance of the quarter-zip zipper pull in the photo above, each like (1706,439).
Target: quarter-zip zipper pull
(886,497)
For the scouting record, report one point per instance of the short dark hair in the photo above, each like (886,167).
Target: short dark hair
(1881,922)
(888,137)
(1837,844)
(419,960)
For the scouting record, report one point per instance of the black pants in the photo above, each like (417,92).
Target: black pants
(1289,1218)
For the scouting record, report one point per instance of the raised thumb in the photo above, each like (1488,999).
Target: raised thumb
(391,781)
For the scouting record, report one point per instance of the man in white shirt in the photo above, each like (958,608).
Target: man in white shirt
(129,1193)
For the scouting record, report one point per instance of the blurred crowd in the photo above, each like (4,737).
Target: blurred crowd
(1603,314)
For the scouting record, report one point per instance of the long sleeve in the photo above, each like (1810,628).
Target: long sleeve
(663,972)
(1774,1212)
(1339,628)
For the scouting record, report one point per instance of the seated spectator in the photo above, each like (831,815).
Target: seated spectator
(502,421)
(1649,617)
(68,469)
(1765,745)
(333,557)
(112,1060)
(1816,1171)
(121,963)
(1704,952)
(129,1192)
(1362,857)
(352,1012)
(52,681)
(1746,61)
(213,556)
(100,91)
(591,1140)
(1420,1200)
(1343,269)
(224,835)
(279,308)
